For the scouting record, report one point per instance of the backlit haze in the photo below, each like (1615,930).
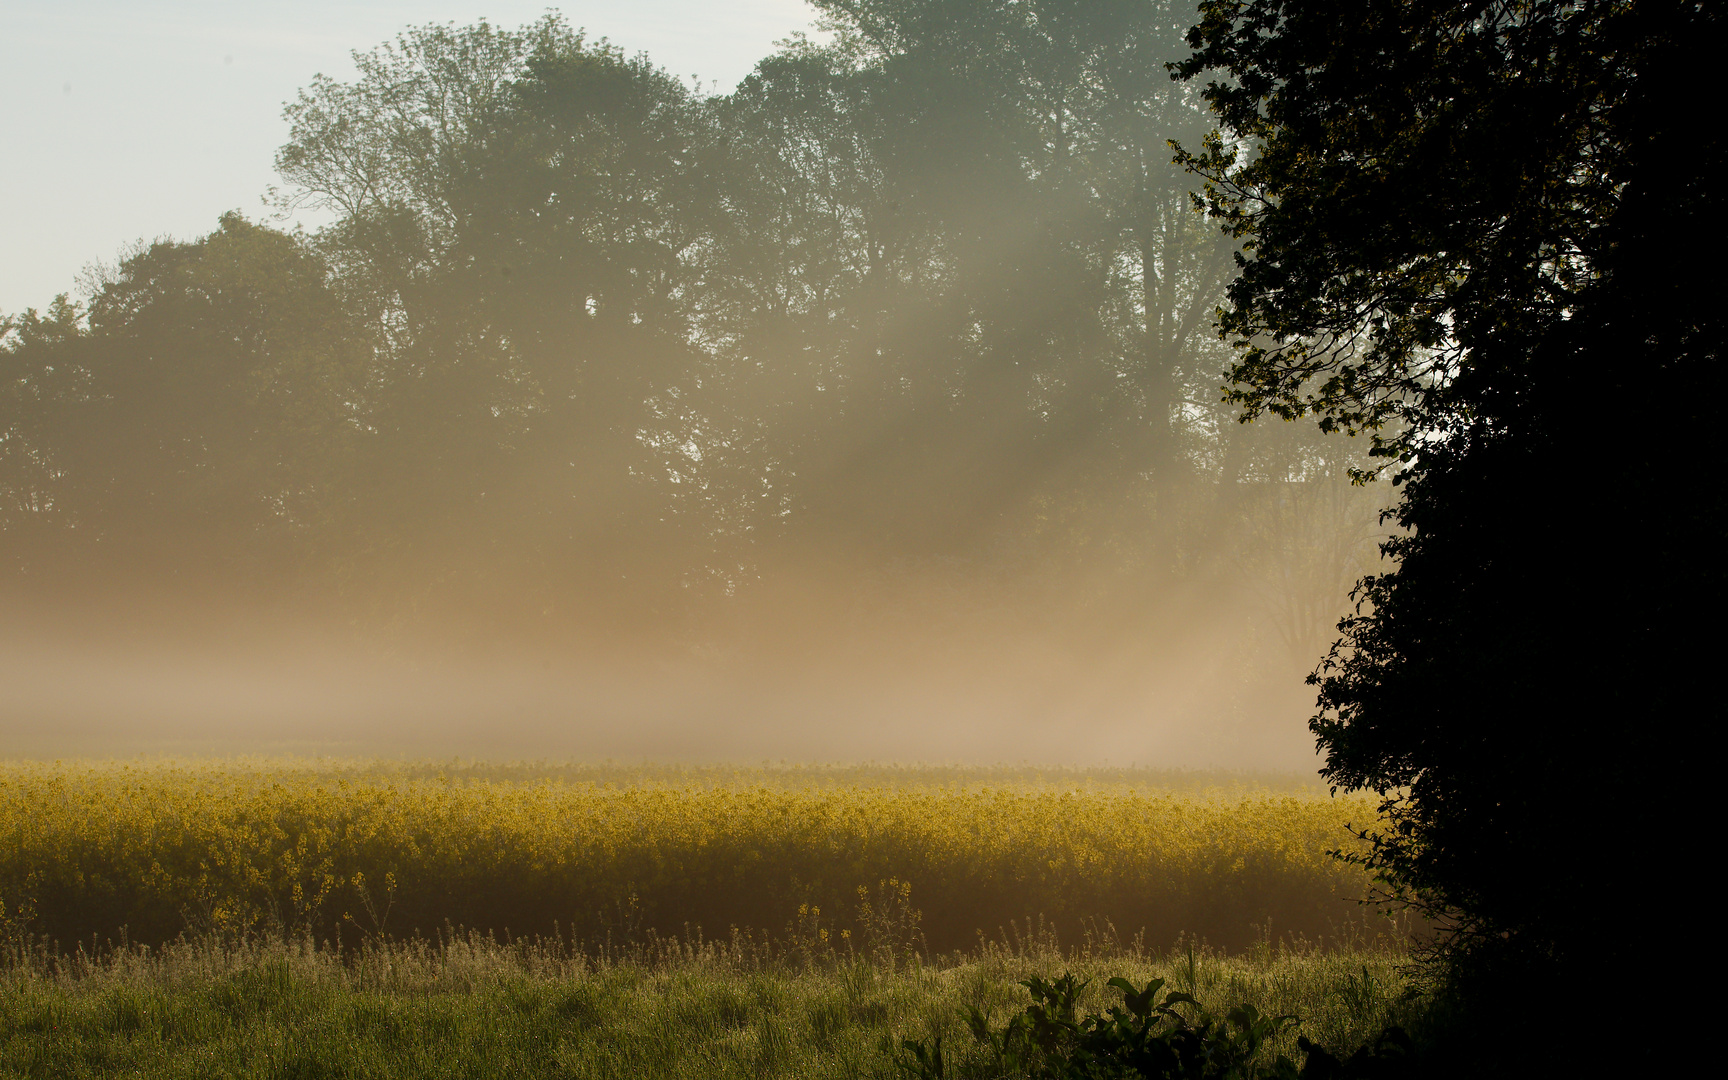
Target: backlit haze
(874,422)
(128,121)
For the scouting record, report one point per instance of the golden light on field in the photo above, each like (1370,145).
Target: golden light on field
(351,848)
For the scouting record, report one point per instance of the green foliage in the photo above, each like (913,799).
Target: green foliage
(1147,1036)
(199,409)
(469,1007)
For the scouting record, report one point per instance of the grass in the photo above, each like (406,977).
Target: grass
(469,1006)
(293,918)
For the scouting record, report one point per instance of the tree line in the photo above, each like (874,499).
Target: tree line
(926,300)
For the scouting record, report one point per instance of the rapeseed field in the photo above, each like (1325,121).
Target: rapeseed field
(865,859)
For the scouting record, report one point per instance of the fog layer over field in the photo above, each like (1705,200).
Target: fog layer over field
(972,696)
(871,410)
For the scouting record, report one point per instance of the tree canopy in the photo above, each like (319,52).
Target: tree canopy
(1471,230)
(906,337)
(926,298)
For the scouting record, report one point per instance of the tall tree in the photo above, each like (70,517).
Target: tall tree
(199,415)
(517,212)
(43,375)
(1007,290)
(1467,231)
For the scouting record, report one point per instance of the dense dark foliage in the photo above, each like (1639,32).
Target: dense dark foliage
(1482,220)
(1147,1037)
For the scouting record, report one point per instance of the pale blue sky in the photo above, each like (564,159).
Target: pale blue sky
(125,121)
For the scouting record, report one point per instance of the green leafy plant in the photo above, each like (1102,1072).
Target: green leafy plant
(1147,1036)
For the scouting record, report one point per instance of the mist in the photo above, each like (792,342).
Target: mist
(871,411)
(84,701)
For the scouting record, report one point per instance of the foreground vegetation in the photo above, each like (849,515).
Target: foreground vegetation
(912,860)
(469,1006)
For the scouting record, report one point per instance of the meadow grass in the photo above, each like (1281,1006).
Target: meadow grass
(470,1006)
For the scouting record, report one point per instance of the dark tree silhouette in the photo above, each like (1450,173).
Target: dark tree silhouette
(1470,230)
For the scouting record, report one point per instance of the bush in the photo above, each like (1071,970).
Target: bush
(1145,1037)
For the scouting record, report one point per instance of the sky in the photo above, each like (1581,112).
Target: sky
(127,121)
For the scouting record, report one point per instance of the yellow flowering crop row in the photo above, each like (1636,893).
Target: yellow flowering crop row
(89,849)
